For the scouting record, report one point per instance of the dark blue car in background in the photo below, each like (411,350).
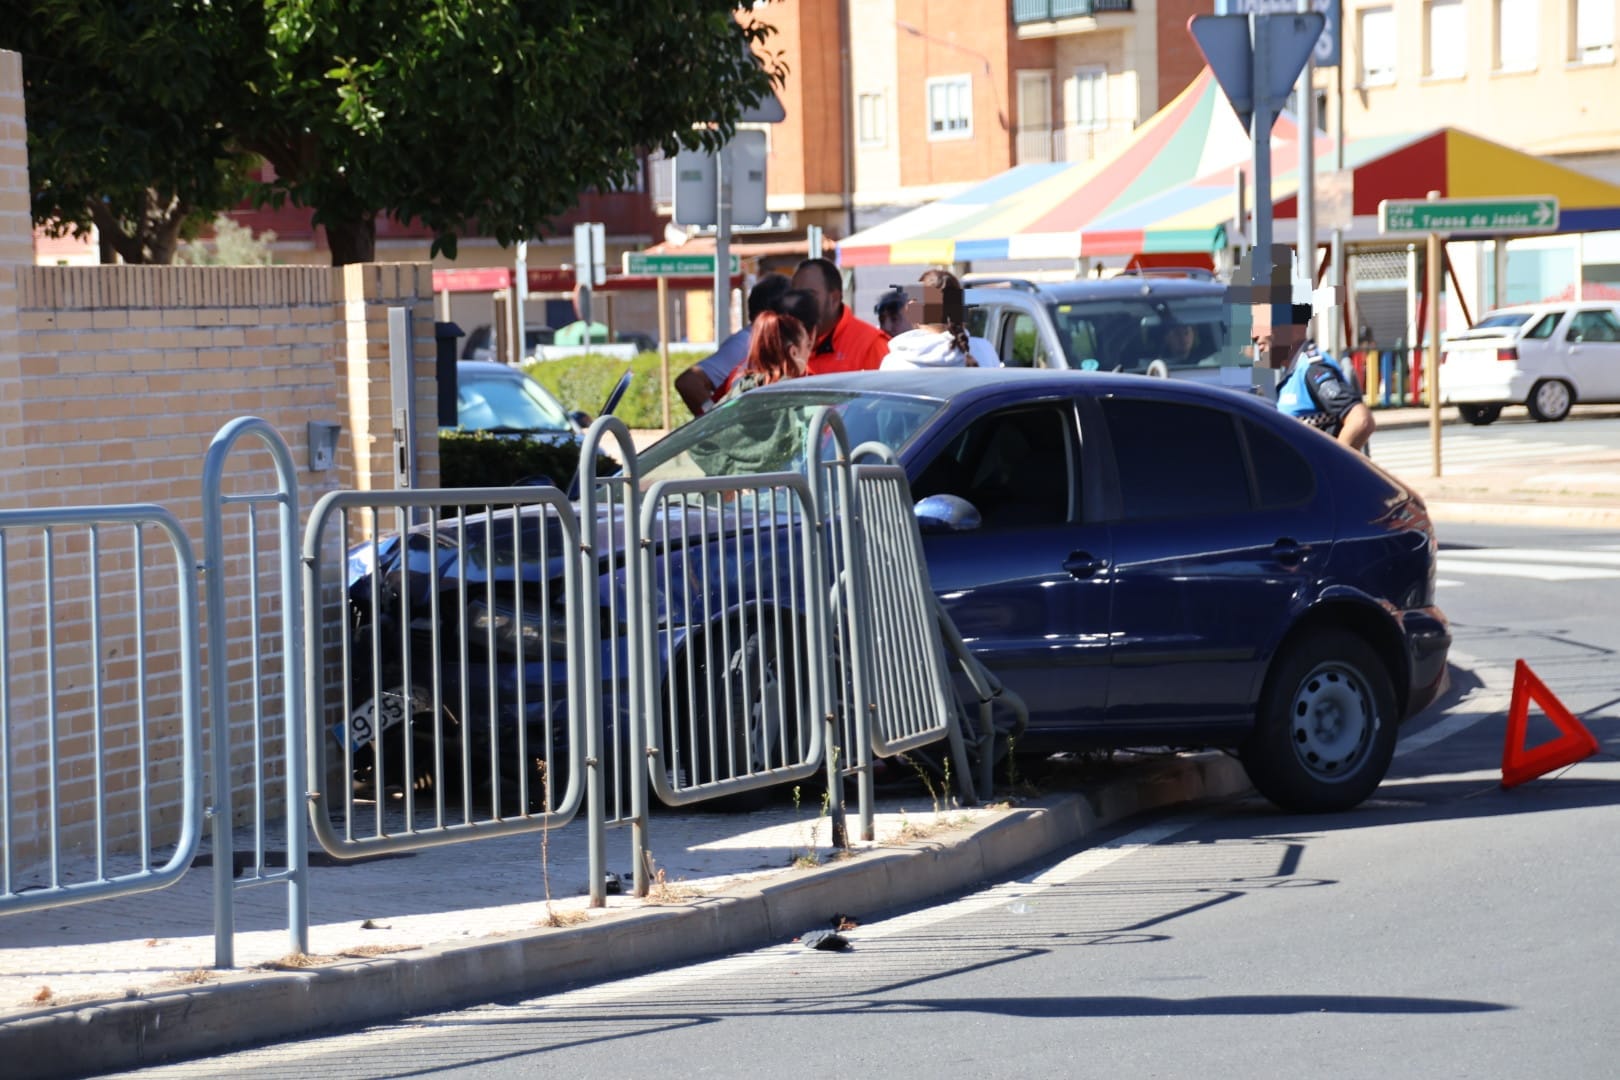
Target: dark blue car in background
(1151,562)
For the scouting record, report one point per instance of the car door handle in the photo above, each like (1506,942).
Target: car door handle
(1083,564)
(1289,552)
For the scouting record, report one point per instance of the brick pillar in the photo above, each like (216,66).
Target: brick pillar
(365,293)
(16,251)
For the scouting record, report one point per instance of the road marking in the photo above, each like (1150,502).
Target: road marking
(1527,570)
(1534,563)
(1488,701)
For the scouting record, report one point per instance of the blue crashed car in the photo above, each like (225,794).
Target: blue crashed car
(1151,563)
(1146,562)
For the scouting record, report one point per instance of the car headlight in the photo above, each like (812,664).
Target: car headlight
(531,630)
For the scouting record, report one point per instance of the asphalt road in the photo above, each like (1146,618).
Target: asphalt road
(1447,928)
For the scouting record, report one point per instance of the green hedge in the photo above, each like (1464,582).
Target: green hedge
(584,382)
(474,459)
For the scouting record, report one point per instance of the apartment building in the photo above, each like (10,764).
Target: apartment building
(1537,75)
(949,92)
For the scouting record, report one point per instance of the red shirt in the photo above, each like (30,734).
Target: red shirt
(853,345)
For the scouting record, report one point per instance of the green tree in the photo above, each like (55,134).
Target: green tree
(123,131)
(462,115)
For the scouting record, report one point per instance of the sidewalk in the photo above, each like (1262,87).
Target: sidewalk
(1582,490)
(119,984)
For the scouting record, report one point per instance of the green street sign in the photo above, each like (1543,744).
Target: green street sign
(639,262)
(1536,213)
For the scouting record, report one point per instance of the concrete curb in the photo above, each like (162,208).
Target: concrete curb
(258,1007)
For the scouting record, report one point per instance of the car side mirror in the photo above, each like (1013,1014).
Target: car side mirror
(580,417)
(946,514)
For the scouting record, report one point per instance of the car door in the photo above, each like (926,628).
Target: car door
(1220,531)
(1592,353)
(1028,588)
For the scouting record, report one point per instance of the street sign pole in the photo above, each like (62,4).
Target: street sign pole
(1260,145)
(722,246)
(1435,254)
(520,294)
(663,343)
(1305,218)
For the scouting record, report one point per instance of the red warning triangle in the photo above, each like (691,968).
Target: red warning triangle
(1575,744)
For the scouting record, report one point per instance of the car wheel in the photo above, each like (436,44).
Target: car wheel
(739,711)
(1479,415)
(1550,400)
(1325,732)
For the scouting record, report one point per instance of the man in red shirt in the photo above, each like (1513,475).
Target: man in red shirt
(843,342)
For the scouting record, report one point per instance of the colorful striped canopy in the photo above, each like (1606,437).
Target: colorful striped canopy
(1172,189)
(1038,211)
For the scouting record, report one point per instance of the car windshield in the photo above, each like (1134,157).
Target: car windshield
(1130,333)
(1502,319)
(504,403)
(763,432)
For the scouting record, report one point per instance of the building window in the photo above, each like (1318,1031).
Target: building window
(1594,31)
(1447,39)
(1091,97)
(871,124)
(950,107)
(1377,46)
(1517,38)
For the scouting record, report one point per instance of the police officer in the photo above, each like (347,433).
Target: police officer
(1314,388)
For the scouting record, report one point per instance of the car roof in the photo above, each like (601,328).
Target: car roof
(964,384)
(1123,286)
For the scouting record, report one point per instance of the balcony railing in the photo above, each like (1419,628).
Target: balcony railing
(1069,143)
(1029,11)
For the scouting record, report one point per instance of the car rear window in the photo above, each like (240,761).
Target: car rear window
(1176,460)
(1505,320)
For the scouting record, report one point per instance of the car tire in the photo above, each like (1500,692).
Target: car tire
(1550,400)
(1326,728)
(1479,415)
(755,712)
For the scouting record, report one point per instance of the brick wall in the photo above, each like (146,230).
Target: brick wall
(113,382)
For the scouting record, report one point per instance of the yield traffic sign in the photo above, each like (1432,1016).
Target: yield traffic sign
(1535,213)
(1257,59)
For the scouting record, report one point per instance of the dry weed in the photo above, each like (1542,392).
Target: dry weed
(366,952)
(44,996)
(664,891)
(561,919)
(195,977)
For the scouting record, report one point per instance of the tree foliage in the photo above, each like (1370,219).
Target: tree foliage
(461,115)
(123,131)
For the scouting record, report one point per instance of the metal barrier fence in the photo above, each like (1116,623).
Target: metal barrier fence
(472,663)
(1390,378)
(59,563)
(453,632)
(222,810)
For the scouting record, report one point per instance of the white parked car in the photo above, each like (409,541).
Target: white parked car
(1545,357)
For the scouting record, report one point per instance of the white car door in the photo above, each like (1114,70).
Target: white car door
(1591,349)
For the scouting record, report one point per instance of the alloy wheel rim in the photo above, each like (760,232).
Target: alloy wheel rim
(1332,721)
(1552,398)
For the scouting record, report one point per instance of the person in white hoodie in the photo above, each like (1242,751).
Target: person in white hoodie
(939,337)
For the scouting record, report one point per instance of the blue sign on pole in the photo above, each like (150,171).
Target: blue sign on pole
(1327,46)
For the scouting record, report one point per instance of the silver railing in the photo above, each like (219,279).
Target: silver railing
(78,587)
(460,664)
(223,712)
(736,645)
(445,693)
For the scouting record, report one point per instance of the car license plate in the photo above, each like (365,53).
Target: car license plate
(362,726)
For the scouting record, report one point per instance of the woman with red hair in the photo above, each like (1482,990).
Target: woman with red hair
(779,348)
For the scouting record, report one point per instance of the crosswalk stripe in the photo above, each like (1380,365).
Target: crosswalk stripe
(1527,570)
(1579,557)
